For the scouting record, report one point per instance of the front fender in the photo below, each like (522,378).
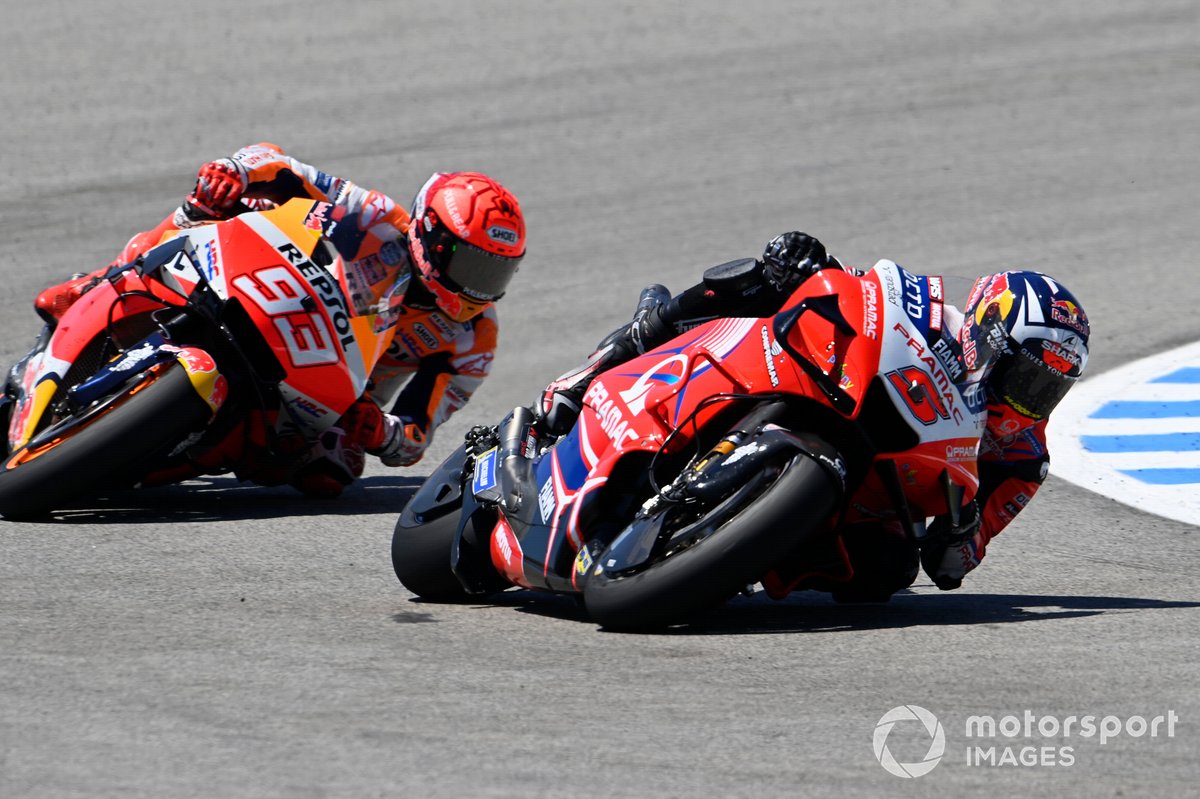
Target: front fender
(441,495)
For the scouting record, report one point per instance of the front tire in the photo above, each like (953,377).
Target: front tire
(114,441)
(717,566)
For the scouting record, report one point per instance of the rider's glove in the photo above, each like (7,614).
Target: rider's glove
(219,186)
(647,329)
(950,550)
(402,442)
(791,258)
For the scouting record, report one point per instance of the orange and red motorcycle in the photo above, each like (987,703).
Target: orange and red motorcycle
(230,347)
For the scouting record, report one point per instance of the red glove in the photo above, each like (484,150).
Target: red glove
(219,186)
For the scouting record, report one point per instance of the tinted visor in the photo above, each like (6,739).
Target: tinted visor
(465,268)
(479,274)
(1030,387)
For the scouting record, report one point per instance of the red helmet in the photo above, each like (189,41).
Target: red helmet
(466,240)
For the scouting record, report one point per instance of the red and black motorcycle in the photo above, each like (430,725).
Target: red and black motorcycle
(696,469)
(230,347)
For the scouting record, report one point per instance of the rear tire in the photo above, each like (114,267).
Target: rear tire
(421,557)
(105,445)
(718,566)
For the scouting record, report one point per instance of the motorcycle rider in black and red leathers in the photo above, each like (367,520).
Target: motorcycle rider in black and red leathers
(1030,368)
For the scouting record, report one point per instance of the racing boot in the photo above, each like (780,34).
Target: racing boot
(53,302)
(883,561)
(562,400)
(340,454)
(334,463)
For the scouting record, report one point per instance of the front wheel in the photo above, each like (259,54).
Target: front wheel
(113,441)
(712,557)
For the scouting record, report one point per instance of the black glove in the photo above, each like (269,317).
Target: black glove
(947,553)
(647,329)
(793,257)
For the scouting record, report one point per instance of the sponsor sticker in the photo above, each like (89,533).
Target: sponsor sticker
(546,499)
(485,472)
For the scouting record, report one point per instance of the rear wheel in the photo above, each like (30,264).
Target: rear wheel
(423,549)
(421,557)
(113,441)
(423,540)
(714,555)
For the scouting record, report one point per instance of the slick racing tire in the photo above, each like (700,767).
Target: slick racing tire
(112,442)
(421,557)
(424,539)
(730,546)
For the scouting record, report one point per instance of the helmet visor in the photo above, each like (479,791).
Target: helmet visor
(464,268)
(1030,387)
(479,274)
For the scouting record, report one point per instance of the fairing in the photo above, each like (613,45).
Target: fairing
(266,263)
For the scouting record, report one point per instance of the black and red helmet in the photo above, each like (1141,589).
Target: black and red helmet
(467,239)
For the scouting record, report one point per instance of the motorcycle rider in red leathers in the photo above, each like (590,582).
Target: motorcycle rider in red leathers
(1025,328)
(463,240)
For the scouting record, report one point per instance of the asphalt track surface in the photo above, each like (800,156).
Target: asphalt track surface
(217,639)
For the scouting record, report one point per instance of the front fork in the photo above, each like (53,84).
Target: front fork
(15,390)
(704,480)
(210,385)
(752,445)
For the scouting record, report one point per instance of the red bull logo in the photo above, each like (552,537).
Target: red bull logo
(210,384)
(997,293)
(1068,313)
(194,360)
